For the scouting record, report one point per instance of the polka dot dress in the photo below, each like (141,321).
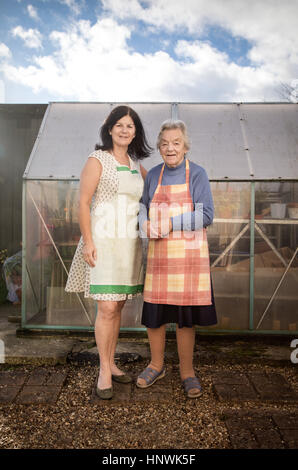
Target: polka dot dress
(79,274)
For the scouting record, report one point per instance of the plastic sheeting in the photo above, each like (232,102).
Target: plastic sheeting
(231,141)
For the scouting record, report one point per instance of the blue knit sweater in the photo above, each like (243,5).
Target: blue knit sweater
(199,190)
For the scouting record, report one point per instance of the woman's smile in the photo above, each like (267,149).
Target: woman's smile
(172,147)
(123,131)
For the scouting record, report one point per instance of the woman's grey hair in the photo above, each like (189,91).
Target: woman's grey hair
(174,124)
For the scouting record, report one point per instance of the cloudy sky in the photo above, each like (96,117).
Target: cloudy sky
(147,50)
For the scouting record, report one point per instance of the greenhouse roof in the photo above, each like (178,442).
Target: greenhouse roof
(232,141)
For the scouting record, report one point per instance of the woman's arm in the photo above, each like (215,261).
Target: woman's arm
(146,229)
(90,176)
(143,172)
(143,210)
(202,216)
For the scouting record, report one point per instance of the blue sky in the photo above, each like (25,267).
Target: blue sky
(149,50)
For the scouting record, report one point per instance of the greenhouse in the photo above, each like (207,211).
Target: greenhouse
(250,153)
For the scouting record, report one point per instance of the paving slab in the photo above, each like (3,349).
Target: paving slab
(8,394)
(43,386)
(272,387)
(286,421)
(258,386)
(230,378)
(56,379)
(12,377)
(234,392)
(38,386)
(288,428)
(266,435)
(11,383)
(261,429)
(37,394)
(38,377)
(241,436)
(122,395)
(232,386)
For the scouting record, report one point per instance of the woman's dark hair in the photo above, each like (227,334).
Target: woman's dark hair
(139,147)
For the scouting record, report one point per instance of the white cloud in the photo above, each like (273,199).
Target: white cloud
(270,25)
(160,13)
(211,76)
(73,5)
(32,12)
(4,51)
(31,37)
(95,63)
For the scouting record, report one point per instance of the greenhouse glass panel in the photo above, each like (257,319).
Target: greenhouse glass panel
(70,131)
(229,246)
(276,259)
(52,233)
(273,151)
(216,139)
(67,135)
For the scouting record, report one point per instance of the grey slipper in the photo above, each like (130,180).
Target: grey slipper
(151,376)
(122,379)
(192,383)
(104,393)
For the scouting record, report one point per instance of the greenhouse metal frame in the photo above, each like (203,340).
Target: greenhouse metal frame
(250,153)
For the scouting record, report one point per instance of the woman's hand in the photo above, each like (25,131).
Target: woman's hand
(90,177)
(89,253)
(166,227)
(157,230)
(150,229)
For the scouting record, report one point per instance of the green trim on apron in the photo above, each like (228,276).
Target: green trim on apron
(116,289)
(125,168)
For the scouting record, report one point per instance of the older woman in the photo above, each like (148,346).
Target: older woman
(176,208)
(107,264)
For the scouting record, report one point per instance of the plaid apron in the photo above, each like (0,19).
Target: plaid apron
(178,266)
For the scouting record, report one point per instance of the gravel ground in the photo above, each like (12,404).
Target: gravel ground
(75,423)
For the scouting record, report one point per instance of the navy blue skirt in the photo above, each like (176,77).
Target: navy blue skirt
(155,315)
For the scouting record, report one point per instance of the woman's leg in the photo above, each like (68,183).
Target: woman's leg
(114,369)
(185,345)
(106,334)
(157,341)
